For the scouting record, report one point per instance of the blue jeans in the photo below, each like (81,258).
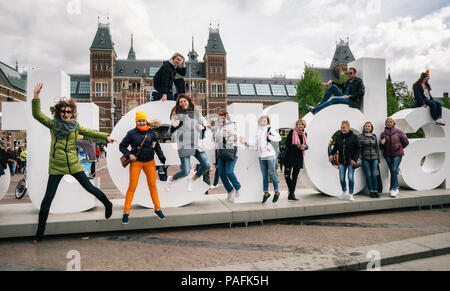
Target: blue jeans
(371,171)
(226,173)
(435,109)
(216,177)
(268,169)
(326,101)
(204,167)
(394,164)
(179,85)
(351,177)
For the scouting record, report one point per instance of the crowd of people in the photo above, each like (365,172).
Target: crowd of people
(348,151)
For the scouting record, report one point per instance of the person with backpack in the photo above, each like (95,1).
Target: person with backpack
(144,144)
(348,146)
(267,155)
(296,145)
(166,77)
(393,142)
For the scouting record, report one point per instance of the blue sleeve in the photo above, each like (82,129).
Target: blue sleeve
(123,146)
(419,96)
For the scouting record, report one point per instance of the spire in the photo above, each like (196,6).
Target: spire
(131,53)
(102,39)
(389,75)
(193,55)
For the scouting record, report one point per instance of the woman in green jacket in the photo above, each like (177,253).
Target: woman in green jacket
(64,130)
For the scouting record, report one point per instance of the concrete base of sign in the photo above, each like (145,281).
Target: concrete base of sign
(20,220)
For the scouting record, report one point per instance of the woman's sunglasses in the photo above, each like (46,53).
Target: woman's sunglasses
(66,112)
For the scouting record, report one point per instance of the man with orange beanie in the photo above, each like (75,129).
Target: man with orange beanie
(142,158)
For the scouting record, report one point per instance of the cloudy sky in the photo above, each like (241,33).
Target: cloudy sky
(262,37)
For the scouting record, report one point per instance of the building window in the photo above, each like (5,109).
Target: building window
(117,86)
(216,90)
(101,89)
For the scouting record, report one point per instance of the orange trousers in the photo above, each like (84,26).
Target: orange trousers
(135,171)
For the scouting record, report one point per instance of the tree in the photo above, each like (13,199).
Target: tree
(392,101)
(445,101)
(310,89)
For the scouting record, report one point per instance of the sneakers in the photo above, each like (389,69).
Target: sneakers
(394,193)
(440,121)
(230,195)
(237,193)
(266,197)
(125,219)
(351,198)
(214,187)
(169,183)
(160,215)
(276,196)
(189,183)
(343,196)
(311,108)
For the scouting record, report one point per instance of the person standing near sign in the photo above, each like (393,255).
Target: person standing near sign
(64,130)
(267,155)
(144,144)
(226,143)
(166,77)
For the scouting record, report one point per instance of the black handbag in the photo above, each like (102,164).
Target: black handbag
(227,154)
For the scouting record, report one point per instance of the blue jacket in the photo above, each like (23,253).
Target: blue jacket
(134,139)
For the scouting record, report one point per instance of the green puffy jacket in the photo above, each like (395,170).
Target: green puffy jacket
(63,154)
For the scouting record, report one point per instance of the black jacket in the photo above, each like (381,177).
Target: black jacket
(134,139)
(294,156)
(357,91)
(348,147)
(164,78)
(369,147)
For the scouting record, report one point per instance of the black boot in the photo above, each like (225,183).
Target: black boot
(266,196)
(276,196)
(108,210)
(291,197)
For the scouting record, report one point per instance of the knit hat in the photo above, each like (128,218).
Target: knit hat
(141,115)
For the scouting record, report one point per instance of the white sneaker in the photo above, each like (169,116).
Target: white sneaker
(230,195)
(214,187)
(169,184)
(393,193)
(237,194)
(440,121)
(189,183)
(351,199)
(343,196)
(397,192)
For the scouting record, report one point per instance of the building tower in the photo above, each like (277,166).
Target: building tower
(131,53)
(102,61)
(215,59)
(342,56)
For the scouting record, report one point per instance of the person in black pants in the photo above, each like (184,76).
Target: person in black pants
(166,77)
(293,162)
(64,160)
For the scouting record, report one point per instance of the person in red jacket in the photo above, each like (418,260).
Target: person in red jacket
(393,143)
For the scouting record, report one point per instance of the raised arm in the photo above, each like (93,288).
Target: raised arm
(36,109)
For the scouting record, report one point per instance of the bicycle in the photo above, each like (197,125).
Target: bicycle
(21,188)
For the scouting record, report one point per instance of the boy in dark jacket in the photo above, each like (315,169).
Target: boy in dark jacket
(350,92)
(166,77)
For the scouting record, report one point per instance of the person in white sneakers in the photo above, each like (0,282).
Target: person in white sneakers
(267,155)
(393,143)
(348,146)
(188,129)
(226,142)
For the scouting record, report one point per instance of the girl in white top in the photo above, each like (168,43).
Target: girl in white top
(267,154)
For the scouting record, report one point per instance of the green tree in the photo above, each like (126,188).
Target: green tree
(445,101)
(310,89)
(392,101)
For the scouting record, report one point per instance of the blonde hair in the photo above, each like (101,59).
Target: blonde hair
(154,123)
(302,121)
(385,123)
(262,117)
(177,55)
(345,122)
